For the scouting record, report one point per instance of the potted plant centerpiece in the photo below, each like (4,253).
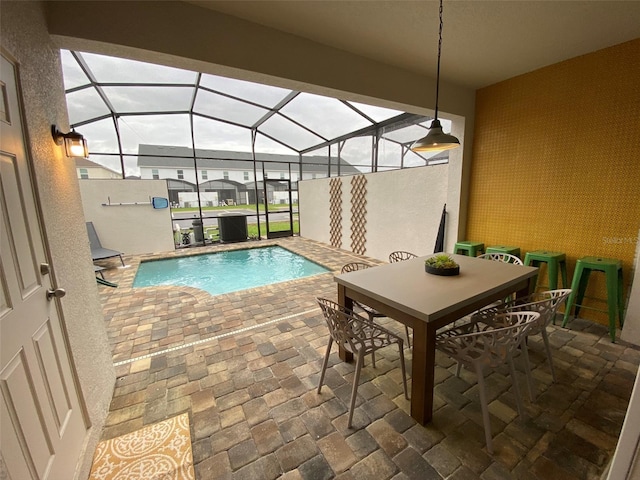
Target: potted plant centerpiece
(441,264)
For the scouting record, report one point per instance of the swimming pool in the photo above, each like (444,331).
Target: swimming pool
(230,271)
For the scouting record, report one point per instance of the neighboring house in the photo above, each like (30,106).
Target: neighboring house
(86,169)
(156,161)
(229,175)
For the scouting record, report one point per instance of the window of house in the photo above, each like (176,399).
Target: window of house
(225,175)
(154,174)
(204,175)
(84,173)
(180,174)
(281,175)
(246,175)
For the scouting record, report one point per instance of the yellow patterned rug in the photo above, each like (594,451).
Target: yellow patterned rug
(158,451)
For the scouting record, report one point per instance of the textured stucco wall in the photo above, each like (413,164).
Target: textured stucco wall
(313,207)
(403,210)
(131,229)
(25,38)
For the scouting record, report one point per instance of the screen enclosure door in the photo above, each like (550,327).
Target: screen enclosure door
(278,208)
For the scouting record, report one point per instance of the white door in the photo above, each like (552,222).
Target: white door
(42,426)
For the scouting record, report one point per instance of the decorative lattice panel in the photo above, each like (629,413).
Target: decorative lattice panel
(335,212)
(359,214)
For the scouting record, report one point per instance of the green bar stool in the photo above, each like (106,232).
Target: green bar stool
(612,268)
(504,249)
(555,261)
(471,249)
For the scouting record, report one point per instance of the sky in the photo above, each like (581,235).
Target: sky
(144,118)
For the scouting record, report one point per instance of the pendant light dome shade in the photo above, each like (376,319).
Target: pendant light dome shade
(436,139)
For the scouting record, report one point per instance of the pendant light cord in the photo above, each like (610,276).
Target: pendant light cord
(436,139)
(438,69)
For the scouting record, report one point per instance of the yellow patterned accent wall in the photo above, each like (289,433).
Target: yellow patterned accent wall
(556,162)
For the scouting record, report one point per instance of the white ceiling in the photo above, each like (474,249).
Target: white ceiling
(484,41)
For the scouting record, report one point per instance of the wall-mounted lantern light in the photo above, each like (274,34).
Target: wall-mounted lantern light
(74,143)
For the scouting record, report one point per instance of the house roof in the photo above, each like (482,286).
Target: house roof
(171,157)
(85,163)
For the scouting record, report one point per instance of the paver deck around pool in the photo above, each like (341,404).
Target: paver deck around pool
(245,366)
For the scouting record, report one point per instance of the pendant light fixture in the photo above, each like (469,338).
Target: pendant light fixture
(436,139)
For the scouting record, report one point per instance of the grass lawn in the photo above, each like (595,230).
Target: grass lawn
(284,206)
(252,229)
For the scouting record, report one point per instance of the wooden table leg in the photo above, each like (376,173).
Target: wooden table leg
(346,302)
(528,289)
(423,372)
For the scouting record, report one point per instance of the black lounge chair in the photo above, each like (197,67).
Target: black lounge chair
(98,252)
(106,283)
(98,271)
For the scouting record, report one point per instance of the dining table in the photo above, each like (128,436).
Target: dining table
(425,302)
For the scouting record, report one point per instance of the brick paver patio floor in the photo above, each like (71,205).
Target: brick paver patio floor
(245,366)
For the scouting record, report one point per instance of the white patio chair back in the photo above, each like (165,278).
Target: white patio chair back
(354,266)
(487,344)
(479,346)
(400,256)
(359,336)
(504,258)
(545,303)
(501,257)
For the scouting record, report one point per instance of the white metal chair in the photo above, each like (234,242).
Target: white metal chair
(371,312)
(501,257)
(359,336)
(504,258)
(545,303)
(478,346)
(400,256)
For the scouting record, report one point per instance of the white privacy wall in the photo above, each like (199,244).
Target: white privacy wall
(131,229)
(313,208)
(403,210)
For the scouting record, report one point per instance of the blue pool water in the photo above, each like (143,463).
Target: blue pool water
(225,272)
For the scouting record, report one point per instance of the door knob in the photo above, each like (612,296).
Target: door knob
(57,293)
